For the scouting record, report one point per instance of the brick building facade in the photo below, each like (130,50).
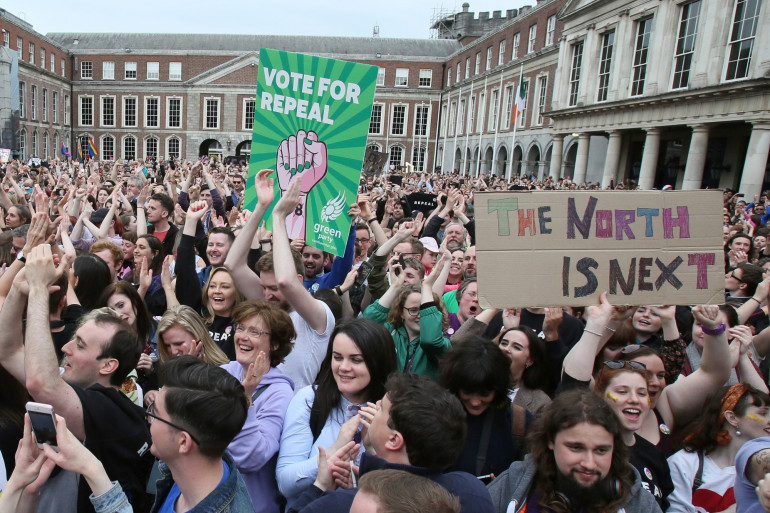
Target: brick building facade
(444,103)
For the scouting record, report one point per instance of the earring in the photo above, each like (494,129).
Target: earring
(737,433)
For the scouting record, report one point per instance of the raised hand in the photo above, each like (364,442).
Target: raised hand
(706,315)
(254,374)
(302,155)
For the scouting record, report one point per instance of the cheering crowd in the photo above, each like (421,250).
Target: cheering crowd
(196,361)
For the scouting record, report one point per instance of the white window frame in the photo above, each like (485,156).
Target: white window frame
(108,70)
(20,47)
(467,68)
(124,111)
(477,66)
(42,58)
(515,46)
(103,153)
(501,53)
(425,74)
(67,108)
(402,77)
(80,109)
(532,40)
(55,106)
(86,70)
(23,142)
(381,76)
(153,70)
(44,104)
(53,62)
(102,110)
(31,47)
(129,68)
(205,117)
(147,100)
(381,107)
(606,51)
(393,117)
(173,75)
(508,97)
(482,112)
(684,49)
(402,149)
(449,76)
(541,97)
(123,141)
(494,107)
(145,146)
(33,102)
(168,111)
(731,43)
(461,117)
(6,39)
(246,117)
(63,67)
(575,70)
(640,64)
(488,64)
(22,100)
(550,30)
(421,131)
(168,146)
(459,72)
(34,144)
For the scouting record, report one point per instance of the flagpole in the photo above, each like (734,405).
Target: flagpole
(454,129)
(515,124)
(446,131)
(427,138)
(467,133)
(481,131)
(497,123)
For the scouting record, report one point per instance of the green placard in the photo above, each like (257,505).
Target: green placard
(312,119)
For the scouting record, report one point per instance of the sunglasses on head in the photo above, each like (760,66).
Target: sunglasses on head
(620,364)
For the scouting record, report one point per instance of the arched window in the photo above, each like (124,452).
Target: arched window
(174,146)
(151,147)
(129,147)
(108,147)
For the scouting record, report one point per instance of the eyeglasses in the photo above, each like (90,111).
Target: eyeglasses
(363,241)
(251,332)
(619,364)
(414,312)
(151,417)
(732,275)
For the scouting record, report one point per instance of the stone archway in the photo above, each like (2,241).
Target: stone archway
(210,147)
(502,161)
(533,160)
(243,148)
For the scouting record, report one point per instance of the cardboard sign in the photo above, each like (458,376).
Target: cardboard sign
(312,119)
(564,248)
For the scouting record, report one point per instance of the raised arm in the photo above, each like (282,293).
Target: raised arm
(289,282)
(43,381)
(248,281)
(579,362)
(141,216)
(680,402)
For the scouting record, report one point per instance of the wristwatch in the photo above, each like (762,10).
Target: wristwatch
(20,256)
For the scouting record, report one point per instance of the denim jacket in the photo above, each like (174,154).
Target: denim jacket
(230,497)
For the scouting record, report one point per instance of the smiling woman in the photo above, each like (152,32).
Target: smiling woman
(359,358)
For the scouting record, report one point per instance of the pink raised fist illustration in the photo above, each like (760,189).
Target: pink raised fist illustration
(302,155)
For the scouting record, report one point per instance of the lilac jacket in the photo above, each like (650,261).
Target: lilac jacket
(255,448)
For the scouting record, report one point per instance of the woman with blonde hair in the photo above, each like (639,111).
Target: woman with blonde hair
(182,331)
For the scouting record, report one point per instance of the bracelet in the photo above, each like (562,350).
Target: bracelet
(757,300)
(586,330)
(339,290)
(609,329)
(266,241)
(715,331)
(370,221)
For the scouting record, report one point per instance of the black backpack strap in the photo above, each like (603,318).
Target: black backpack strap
(698,482)
(486,432)
(315,416)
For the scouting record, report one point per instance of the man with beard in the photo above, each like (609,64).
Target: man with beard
(280,282)
(578,462)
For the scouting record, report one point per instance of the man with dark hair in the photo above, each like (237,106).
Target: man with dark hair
(578,462)
(160,209)
(396,491)
(742,281)
(87,394)
(417,427)
(198,411)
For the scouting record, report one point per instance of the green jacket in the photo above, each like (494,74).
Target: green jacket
(425,350)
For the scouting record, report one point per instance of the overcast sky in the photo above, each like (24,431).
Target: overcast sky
(396,18)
